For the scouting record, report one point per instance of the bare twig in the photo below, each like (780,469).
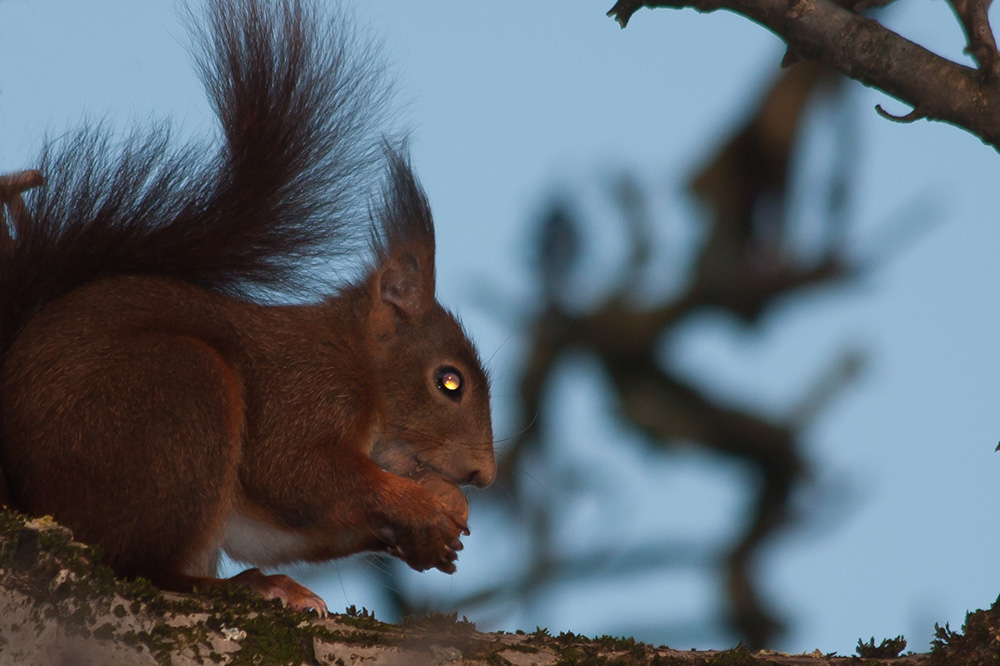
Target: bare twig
(13,184)
(11,187)
(975,20)
(863,49)
(913,116)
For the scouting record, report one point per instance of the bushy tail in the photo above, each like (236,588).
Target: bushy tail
(299,107)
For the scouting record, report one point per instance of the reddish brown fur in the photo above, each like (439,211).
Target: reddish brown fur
(165,419)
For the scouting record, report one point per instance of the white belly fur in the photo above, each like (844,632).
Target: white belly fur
(253,542)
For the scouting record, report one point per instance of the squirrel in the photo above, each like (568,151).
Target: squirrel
(158,400)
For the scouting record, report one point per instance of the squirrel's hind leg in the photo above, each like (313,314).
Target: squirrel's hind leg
(130,438)
(273,586)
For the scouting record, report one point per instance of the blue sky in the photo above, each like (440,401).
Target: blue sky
(511,101)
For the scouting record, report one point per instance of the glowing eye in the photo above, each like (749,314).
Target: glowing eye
(449,381)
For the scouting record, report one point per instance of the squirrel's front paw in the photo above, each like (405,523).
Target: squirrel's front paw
(448,494)
(425,531)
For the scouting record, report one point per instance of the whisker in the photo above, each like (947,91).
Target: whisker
(343,588)
(510,501)
(375,562)
(524,471)
(424,436)
(523,430)
(497,351)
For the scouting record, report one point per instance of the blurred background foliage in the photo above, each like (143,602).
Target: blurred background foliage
(746,253)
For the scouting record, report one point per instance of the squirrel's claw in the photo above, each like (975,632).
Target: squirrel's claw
(278,586)
(446,567)
(310,603)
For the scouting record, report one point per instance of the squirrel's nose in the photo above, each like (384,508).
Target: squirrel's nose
(478,479)
(484,472)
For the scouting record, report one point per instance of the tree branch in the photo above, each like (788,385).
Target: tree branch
(975,20)
(863,49)
(57,606)
(11,187)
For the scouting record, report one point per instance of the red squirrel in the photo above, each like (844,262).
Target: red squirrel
(156,400)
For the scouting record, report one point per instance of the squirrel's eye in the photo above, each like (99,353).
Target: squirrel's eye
(450,382)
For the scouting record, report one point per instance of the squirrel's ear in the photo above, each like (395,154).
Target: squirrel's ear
(403,277)
(406,282)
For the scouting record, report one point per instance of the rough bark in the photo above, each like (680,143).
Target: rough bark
(863,49)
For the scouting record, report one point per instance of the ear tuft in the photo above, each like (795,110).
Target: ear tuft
(403,245)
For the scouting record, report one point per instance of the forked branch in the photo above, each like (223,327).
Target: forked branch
(863,49)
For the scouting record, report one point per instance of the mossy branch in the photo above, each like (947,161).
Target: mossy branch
(57,605)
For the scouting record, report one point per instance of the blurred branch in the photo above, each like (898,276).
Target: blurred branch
(742,267)
(632,203)
(863,49)
(602,563)
(669,410)
(843,371)
(901,229)
(746,261)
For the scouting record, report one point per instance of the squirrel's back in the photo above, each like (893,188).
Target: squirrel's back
(298,105)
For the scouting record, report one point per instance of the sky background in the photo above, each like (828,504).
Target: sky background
(512,101)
